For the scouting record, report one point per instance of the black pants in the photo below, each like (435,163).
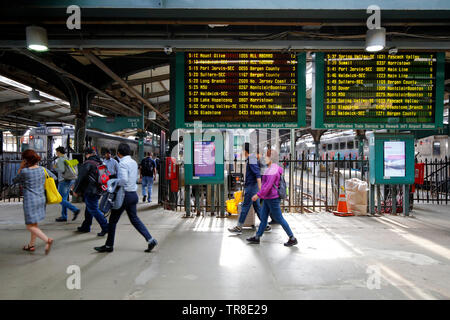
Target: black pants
(129,205)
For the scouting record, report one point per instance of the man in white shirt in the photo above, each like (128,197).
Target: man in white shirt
(127,175)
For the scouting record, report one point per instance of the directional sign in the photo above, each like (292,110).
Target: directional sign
(114,124)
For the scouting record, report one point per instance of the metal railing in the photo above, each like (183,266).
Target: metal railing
(315,184)
(435,188)
(9,165)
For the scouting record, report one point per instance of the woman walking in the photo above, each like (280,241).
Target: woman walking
(32,177)
(269,193)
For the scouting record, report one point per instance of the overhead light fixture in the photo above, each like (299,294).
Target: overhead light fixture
(37,38)
(375,39)
(34,96)
(215,25)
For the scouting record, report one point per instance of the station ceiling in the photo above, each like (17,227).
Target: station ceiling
(124,40)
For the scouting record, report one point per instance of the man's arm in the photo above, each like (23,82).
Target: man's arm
(259,183)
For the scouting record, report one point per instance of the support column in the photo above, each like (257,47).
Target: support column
(80,101)
(317,134)
(291,172)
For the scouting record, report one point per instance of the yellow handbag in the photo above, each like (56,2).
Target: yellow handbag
(51,191)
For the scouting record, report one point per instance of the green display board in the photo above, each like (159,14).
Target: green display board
(391,158)
(203,159)
(362,90)
(240,89)
(110,125)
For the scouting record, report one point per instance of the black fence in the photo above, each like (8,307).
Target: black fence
(313,184)
(9,165)
(436,184)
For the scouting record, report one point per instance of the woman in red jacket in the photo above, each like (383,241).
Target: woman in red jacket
(269,193)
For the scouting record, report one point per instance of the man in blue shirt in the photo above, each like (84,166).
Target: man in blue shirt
(251,187)
(111,164)
(127,175)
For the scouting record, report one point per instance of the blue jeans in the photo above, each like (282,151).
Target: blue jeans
(147,183)
(129,205)
(92,210)
(64,189)
(272,206)
(249,192)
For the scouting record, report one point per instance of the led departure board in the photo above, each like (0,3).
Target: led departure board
(378,90)
(241,89)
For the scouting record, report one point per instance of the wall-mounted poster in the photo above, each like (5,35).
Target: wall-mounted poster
(204,159)
(394,159)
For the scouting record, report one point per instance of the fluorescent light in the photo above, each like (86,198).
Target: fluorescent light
(96,114)
(375,39)
(37,38)
(15,83)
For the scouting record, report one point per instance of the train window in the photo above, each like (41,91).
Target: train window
(436,148)
(336,146)
(38,144)
(330,146)
(324,147)
(342,145)
(349,144)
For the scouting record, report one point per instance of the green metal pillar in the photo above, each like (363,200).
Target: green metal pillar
(141,136)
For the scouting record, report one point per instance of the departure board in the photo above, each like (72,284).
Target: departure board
(242,89)
(378,90)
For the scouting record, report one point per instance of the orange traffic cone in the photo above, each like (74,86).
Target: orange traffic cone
(342,209)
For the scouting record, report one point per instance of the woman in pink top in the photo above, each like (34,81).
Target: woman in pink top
(269,193)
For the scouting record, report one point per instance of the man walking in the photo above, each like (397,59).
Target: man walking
(128,171)
(66,179)
(251,187)
(87,184)
(111,164)
(148,172)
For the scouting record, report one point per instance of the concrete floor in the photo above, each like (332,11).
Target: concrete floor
(197,258)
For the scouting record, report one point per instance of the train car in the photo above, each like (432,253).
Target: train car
(432,148)
(45,139)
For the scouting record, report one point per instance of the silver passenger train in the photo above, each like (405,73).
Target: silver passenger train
(45,139)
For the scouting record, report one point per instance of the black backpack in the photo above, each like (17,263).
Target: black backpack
(281,188)
(147,167)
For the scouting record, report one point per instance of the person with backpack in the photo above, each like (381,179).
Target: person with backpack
(66,178)
(148,172)
(272,189)
(89,185)
(251,187)
(127,176)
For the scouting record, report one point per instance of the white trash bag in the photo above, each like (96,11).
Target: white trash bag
(356,191)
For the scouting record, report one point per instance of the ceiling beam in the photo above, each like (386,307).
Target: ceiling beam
(136,82)
(118,79)
(12,106)
(190,44)
(156,94)
(50,65)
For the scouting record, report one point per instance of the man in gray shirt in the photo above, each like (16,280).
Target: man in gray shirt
(128,172)
(111,164)
(64,186)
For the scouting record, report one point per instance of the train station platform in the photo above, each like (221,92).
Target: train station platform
(387,257)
